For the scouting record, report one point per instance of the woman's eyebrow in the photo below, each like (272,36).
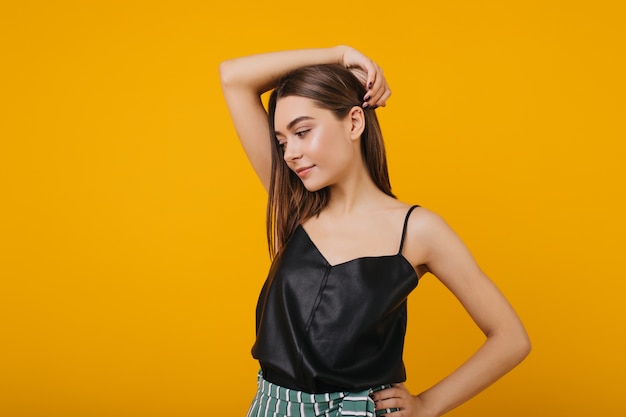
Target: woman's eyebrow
(293,122)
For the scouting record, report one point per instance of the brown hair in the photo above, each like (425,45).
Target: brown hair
(331,87)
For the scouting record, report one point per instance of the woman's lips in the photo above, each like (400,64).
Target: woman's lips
(302,172)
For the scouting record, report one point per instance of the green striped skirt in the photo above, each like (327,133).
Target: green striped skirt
(272,400)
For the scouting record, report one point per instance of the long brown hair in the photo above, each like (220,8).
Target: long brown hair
(331,87)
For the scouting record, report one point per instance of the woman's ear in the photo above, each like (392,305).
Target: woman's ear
(357,122)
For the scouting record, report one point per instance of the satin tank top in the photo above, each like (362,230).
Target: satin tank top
(327,328)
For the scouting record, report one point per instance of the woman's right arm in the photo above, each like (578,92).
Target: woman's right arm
(245,79)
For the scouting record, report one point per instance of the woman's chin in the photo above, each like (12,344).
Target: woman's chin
(312,187)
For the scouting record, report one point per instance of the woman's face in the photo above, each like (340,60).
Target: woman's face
(319,148)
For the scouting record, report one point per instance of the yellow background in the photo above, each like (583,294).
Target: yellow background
(132,231)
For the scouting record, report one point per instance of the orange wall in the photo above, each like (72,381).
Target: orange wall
(132,237)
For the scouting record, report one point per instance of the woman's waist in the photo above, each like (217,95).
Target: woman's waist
(314,382)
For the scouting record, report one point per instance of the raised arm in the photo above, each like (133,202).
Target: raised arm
(245,79)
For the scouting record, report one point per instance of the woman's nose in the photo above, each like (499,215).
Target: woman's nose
(292,151)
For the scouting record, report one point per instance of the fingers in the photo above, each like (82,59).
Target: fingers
(396,391)
(378,90)
(396,397)
(371,75)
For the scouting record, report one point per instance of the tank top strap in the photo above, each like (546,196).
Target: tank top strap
(406,221)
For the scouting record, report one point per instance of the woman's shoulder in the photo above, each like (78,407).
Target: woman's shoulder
(423,221)
(418,220)
(423,228)
(417,216)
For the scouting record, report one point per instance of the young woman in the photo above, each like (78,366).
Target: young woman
(331,316)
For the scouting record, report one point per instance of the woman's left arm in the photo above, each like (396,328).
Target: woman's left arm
(507,344)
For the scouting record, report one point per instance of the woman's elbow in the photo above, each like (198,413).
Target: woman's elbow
(526,346)
(514,343)
(226,72)
(521,346)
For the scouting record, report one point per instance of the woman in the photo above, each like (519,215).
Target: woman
(346,253)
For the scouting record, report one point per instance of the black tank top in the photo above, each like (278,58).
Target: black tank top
(327,328)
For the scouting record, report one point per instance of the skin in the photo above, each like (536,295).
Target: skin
(317,146)
(329,150)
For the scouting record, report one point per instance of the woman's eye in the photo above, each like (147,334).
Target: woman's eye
(301,133)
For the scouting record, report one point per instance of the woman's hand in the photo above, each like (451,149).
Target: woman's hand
(370,75)
(400,398)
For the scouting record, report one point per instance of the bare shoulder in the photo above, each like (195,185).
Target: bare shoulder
(423,222)
(425,230)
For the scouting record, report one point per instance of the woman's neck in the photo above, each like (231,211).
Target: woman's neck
(355,194)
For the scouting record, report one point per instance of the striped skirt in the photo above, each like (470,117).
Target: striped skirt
(272,400)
